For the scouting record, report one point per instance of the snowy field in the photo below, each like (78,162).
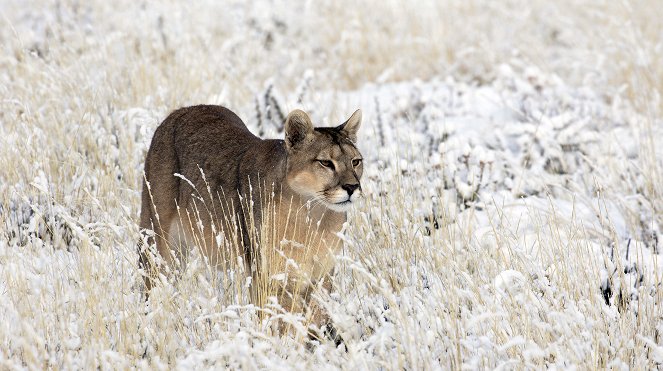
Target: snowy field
(513,176)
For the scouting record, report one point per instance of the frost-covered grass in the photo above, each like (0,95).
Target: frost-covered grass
(513,206)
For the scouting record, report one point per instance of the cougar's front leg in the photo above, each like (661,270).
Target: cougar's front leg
(320,317)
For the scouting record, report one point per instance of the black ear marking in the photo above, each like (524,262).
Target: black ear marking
(351,126)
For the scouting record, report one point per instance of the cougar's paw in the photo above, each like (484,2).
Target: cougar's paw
(329,331)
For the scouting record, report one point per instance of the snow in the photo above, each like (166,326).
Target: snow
(511,218)
(510,282)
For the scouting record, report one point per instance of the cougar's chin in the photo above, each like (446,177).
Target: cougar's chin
(340,207)
(342,203)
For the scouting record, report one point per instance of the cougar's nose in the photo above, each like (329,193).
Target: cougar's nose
(350,188)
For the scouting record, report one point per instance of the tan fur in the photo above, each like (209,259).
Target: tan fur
(276,203)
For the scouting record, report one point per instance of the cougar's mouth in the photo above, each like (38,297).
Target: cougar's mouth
(339,200)
(340,207)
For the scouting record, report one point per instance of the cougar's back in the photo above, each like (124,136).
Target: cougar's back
(195,163)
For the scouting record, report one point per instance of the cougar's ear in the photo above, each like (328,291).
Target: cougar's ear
(297,127)
(351,126)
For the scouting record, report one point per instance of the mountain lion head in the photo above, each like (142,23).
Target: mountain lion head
(323,163)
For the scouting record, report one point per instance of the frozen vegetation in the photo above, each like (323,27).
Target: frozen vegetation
(514,201)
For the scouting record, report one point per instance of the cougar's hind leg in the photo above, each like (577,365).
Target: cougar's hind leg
(155,231)
(160,193)
(146,260)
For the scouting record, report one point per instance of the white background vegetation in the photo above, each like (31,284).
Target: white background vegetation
(514,197)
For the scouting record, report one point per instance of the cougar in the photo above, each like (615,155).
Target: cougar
(277,204)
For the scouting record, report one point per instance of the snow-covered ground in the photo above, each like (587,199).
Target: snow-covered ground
(513,211)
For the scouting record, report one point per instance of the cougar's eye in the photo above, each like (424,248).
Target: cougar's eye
(327,163)
(356,162)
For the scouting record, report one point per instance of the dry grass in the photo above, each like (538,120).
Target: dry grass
(515,284)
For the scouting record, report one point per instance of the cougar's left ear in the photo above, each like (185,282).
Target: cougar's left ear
(298,126)
(351,126)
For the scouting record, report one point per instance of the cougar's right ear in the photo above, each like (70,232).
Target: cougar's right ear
(298,126)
